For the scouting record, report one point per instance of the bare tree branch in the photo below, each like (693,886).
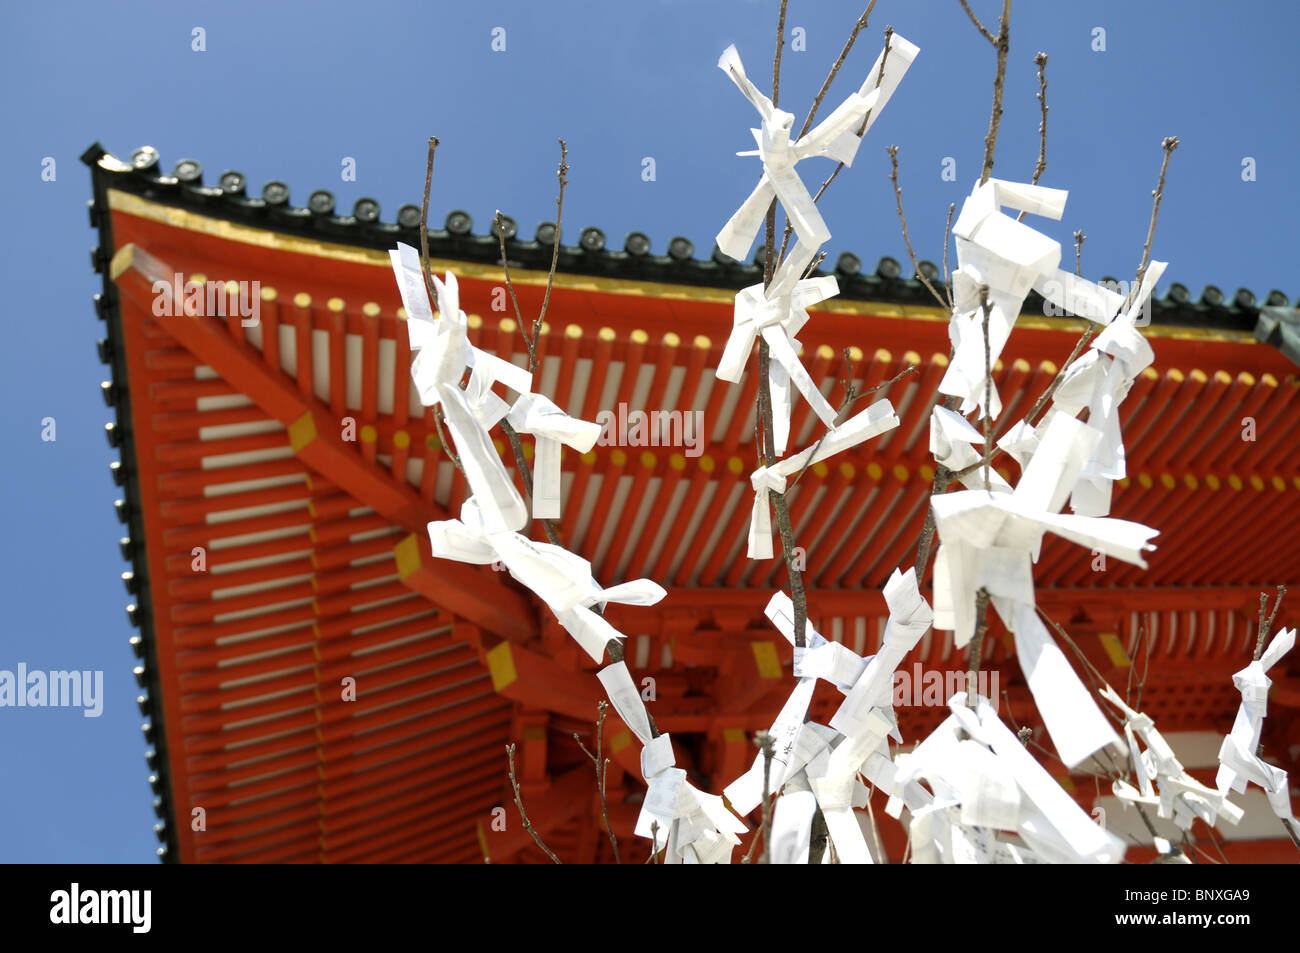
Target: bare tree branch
(563,176)
(1169,144)
(764,740)
(977,642)
(1265,628)
(979,26)
(424,221)
(427,271)
(1041,166)
(500,224)
(519,803)
(602,708)
(1003,45)
(898,198)
(947,235)
(835,68)
(988,387)
(451,453)
(862,129)
(851,396)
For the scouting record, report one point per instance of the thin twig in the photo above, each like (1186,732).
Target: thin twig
(862,130)
(602,708)
(943,478)
(1041,60)
(1045,398)
(979,26)
(898,198)
(947,235)
(654,843)
(768,443)
(776,60)
(1267,627)
(427,271)
(451,454)
(1214,839)
(1003,45)
(1079,239)
(563,176)
(988,386)
(764,740)
(851,396)
(1146,670)
(977,643)
(1041,166)
(525,474)
(1169,144)
(1259,626)
(424,220)
(818,838)
(1094,676)
(519,803)
(499,222)
(835,68)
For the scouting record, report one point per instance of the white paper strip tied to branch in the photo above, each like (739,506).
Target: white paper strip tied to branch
(1121,339)
(778,319)
(502,508)
(538,415)
(1058,817)
(589,629)
(1077,726)
(951,436)
(875,420)
(968,771)
(1123,353)
(1008,256)
(625,698)
(441,347)
(696,827)
(974,525)
(820,658)
(1181,798)
(1099,380)
(1238,761)
(835,137)
(981,522)
(987,542)
(835,796)
(909,619)
(792,819)
(560,578)
(746,792)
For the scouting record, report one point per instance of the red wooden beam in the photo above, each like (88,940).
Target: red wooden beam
(458,587)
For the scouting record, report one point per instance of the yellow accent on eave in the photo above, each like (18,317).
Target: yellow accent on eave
(407,554)
(1118,657)
(129,204)
(501,666)
(302,432)
(769,666)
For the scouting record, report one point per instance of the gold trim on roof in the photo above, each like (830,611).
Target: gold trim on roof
(129,204)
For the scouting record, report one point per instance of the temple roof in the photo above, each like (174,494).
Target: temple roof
(227,442)
(229,198)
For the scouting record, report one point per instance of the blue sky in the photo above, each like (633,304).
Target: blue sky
(288,91)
